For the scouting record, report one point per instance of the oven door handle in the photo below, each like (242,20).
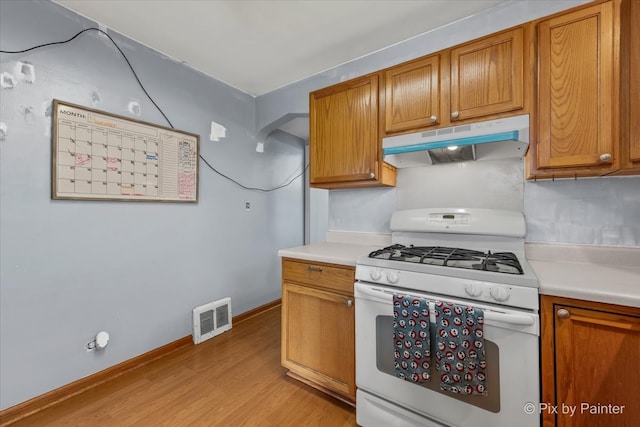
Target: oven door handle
(512,319)
(495,316)
(378,294)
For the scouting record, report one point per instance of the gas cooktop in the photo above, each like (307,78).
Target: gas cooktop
(471,245)
(501,262)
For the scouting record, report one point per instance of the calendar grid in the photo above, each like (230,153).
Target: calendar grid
(101,156)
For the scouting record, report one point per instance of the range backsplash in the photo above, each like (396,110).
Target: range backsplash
(600,211)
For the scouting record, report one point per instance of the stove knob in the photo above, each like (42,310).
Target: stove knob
(474,289)
(375,275)
(500,293)
(392,277)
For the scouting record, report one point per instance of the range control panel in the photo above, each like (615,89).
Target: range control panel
(449,218)
(472,289)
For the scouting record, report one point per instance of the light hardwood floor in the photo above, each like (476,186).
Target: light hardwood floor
(234,379)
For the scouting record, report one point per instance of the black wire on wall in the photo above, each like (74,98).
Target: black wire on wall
(156,105)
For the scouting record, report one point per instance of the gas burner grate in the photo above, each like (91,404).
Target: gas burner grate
(501,262)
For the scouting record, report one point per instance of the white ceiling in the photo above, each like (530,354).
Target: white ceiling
(260,45)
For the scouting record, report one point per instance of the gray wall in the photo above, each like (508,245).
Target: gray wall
(69,269)
(294,98)
(598,211)
(593,211)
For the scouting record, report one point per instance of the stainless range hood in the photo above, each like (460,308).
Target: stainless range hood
(495,139)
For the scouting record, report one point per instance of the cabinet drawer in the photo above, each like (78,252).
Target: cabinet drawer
(337,278)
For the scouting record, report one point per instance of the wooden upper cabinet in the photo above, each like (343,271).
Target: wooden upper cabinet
(345,148)
(629,145)
(487,76)
(634,82)
(483,79)
(412,95)
(578,93)
(635,148)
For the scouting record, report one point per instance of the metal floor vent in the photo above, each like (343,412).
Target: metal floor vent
(211,319)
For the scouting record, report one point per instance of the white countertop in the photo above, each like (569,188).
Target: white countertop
(329,252)
(595,273)
(608,274)
(341,247)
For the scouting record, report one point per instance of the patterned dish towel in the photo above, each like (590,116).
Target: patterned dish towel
(460,359)
(412,344)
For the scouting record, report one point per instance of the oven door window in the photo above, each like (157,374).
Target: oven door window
(384,363)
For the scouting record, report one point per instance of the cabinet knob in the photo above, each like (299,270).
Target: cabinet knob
(349,302)
(606,157)
(318,269)
(455,114)
(433,119)
(372,175)
(563,313)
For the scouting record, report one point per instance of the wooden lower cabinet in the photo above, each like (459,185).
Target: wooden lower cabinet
(318,326)
(590,359)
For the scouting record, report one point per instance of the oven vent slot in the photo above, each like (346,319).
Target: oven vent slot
(211,319)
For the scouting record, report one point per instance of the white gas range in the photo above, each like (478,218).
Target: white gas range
(469,258)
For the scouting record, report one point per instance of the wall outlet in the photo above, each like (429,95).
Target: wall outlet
(90,346)
(247,205)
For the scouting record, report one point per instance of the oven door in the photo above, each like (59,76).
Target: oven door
(511,352)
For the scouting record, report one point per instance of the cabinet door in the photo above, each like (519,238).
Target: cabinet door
(412,95)
(318,337)
(487,76)
(576,89)
(343,138)
(596,367)
(634,81)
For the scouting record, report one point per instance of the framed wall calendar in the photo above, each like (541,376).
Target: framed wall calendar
(102,156)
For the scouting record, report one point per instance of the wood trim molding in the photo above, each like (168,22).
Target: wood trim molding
(60,394)
(258,310)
